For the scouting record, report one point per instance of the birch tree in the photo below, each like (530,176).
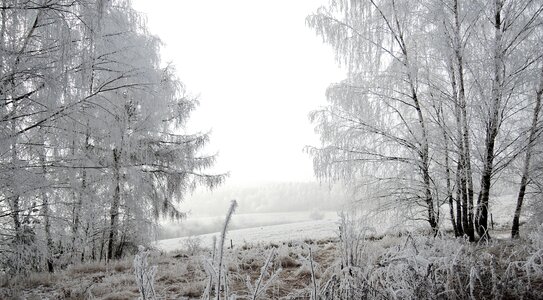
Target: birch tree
(434,107)
(377,121)
(534,132)
(511,30)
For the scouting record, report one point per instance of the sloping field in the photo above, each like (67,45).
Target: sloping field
(320,229)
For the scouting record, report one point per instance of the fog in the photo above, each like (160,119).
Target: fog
(258,71)
(259,204)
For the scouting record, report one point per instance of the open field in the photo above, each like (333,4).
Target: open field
(445,266)
(199,225)
(180,274)
(300,231)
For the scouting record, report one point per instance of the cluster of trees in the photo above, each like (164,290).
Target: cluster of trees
(442,103)
(93,147)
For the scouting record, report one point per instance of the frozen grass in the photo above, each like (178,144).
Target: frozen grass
(180,274)
(89,268)
(402,266)
(145,275)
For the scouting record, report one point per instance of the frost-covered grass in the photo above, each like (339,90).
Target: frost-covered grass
(423,267)
(360,265)
(180,275)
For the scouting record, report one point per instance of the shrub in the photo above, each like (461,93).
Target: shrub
(193,244)
(316,215)
(145,275)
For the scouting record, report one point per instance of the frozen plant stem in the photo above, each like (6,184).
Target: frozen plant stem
(233,206)
(214,247)
(261,286)
(313,280)
(145,275)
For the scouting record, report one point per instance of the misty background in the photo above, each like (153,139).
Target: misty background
(245,77)
(260,204)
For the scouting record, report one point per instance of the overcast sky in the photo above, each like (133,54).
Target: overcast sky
(258,71)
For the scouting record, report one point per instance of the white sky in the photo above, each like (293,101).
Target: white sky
(259,71)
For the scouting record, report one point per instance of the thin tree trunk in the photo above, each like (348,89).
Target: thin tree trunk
(125,228)
(424,166)
(467,173)
(461,178)
(468,229)
(90,88)
(93,252)
(462,123)
(424,153)
(114,211)
(441,123)
(86,242)
(46,214)
(425,159)
(76,208)
(15,205)
(526,168)
(449,188)
(47,228)
(103,239)
(492,128)
(81,194)
(460,189)
(459,193)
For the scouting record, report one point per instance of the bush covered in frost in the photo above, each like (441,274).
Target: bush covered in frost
(145,275)
(416,266)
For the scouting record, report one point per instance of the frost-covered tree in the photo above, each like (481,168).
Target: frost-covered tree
(94,146)
(454,22)
(527,169)
(436,104)
(505,79)
(376,128)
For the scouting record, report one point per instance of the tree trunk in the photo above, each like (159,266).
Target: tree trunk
(15,197)
(459,193)
(424,153)
(424,147)
(460,189)
(467,173)
(463,131)
(484,195)
(114,211)
(462,221)
(80,196)
(448,181)
(526,168)
(492,127)
(46,214)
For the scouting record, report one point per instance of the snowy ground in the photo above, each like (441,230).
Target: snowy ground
(299,226)
(280,227)
(181,274)
(198,225)
(299,231)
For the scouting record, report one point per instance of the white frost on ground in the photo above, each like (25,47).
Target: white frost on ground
(319,229)
(299,226)
(197,225)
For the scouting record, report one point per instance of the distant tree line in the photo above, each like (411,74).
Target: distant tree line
(93,148)
(270,197)
(442,103)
